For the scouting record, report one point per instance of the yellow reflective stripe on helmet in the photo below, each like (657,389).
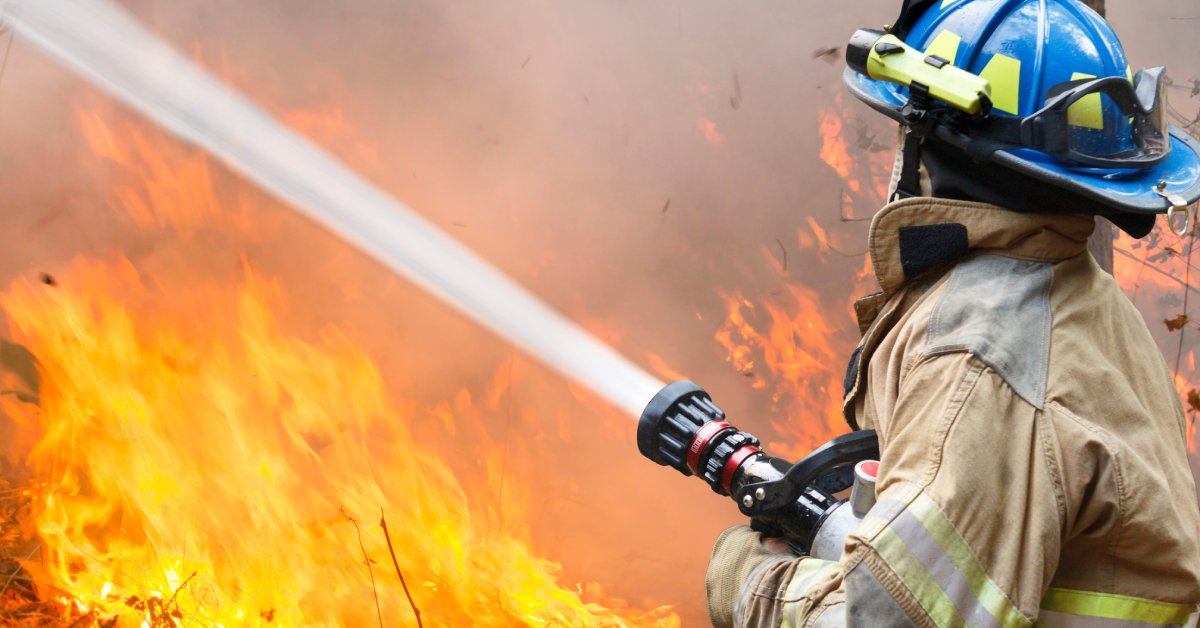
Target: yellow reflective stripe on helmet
(1087,112)
(922,547)
(946,3)
(1004,73)
(945,45)
(808,572)
(1112,606)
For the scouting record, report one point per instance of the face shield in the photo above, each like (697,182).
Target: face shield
(1103,122)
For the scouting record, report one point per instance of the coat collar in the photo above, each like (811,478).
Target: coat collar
(914,235)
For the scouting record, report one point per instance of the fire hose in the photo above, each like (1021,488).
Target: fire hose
(107,46)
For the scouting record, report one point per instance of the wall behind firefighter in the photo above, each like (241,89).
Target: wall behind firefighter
(628,161)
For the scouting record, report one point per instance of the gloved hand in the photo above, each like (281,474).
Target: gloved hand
(739,550)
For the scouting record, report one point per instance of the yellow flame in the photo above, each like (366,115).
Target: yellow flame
(196,464)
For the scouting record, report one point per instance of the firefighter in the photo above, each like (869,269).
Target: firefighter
(1033,448)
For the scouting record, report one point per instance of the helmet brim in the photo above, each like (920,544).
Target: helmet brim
(1126,191)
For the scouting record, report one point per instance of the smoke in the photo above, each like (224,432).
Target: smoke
(626,161)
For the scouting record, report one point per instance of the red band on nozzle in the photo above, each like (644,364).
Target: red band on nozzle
(735,461)
(705,434)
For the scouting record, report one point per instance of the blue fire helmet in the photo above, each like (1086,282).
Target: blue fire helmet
(1066,108)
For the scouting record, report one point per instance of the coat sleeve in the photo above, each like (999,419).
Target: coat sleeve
(966,531)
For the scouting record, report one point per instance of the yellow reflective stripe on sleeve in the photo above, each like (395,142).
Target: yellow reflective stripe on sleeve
(809,572)
(938,567)
(989,594)
(1112,606)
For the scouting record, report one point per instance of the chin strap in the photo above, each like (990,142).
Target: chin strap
(920,118)
(909,184)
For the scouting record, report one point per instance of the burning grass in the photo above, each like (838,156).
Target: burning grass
(23,600)
(190,462)
(195,464)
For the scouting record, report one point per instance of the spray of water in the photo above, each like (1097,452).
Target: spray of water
(107,46)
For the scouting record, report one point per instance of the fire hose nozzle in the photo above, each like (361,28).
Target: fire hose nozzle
(683,429)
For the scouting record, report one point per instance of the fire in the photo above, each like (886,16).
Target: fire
(194,462)
(787,342)
(174,186)
(833,147)
(866,178)
(1160,277)
(788,347)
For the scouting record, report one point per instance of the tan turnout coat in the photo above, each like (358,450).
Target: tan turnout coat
(1034,466)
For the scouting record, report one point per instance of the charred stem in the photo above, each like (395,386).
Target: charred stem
(366,561)
(396,564)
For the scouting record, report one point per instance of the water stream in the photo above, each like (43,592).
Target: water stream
(106,45)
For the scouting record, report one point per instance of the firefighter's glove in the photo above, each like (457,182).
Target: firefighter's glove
(739,550)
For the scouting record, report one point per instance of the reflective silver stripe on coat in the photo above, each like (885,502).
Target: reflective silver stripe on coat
(835,617)
(942,569)
(924,550)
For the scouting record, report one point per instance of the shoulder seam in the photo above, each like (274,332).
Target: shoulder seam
(998,309)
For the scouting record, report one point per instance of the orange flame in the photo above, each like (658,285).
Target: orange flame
(1158,275)
(788,347)
(196,463)
(173,186)
(833,148)
(866,179)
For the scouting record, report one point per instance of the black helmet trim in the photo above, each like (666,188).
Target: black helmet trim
(1144,205)
(1049,130)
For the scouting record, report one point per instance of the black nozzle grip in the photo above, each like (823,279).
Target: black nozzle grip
(671,421)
